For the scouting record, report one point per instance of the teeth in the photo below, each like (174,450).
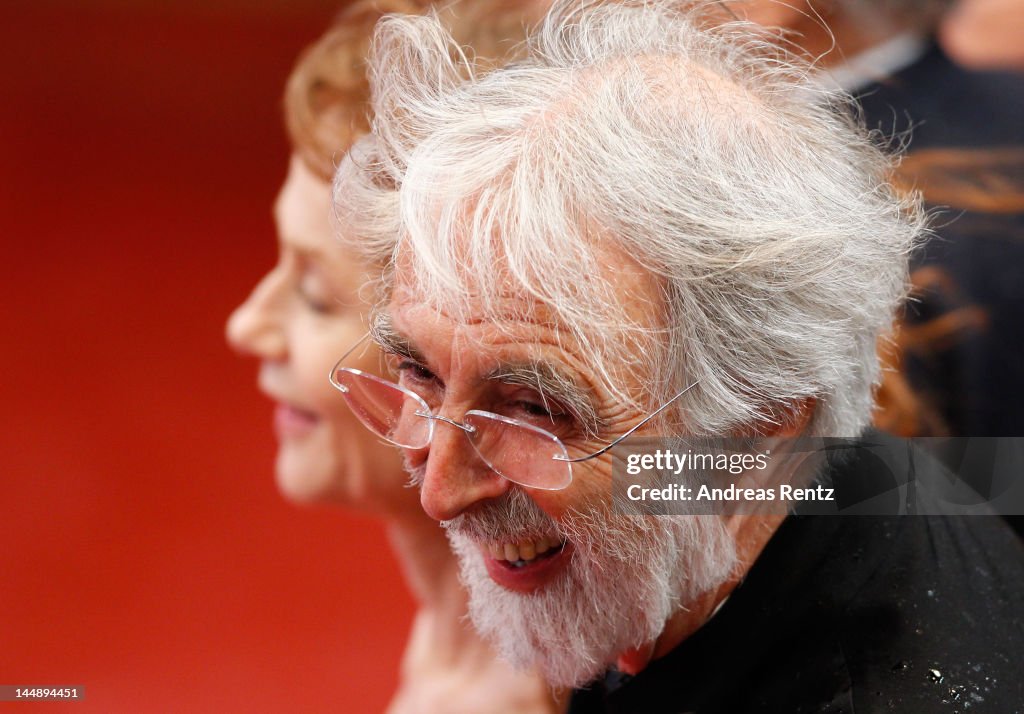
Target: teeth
(521,553)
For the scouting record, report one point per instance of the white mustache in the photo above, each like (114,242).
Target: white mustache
(512,518)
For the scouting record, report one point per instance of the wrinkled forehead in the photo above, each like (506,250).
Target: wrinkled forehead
(502,310)
(425,274)
(620,294)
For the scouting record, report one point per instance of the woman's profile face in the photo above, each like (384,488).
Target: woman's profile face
(298,320)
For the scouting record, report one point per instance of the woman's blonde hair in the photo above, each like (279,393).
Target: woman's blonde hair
(326,98)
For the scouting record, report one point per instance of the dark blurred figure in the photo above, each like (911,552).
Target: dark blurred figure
(958,359)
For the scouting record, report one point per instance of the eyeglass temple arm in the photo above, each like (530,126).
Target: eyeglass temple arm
(617,441)
(344,357)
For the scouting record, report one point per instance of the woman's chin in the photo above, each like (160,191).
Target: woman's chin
(309,472)
(304,478)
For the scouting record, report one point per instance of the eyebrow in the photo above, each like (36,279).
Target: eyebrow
(390,340)
(547,379)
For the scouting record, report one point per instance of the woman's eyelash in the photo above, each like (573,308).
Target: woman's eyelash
(315,304)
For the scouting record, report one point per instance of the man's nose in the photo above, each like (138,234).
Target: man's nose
(455,477)
(256,326)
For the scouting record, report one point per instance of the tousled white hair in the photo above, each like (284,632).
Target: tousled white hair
(655,136)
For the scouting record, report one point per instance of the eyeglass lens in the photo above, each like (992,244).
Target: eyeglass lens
(386,410)
(519,453)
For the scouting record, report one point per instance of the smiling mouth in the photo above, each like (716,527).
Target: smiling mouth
(290,421)
(528,565)
(519,555)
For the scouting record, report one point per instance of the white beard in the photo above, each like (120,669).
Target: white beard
(626,576)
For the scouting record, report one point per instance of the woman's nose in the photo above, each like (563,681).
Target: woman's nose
(256,327)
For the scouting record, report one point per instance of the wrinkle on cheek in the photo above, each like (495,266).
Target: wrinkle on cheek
(589,490)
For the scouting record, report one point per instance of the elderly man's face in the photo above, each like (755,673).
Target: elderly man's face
(555,579)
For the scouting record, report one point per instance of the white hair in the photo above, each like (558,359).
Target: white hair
(654,136)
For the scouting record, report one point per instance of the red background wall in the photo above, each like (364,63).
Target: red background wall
(144,551)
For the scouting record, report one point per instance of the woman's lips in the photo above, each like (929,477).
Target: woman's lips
(291,422)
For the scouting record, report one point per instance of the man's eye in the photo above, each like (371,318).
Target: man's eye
(415,372)
(535,409)
(545,415)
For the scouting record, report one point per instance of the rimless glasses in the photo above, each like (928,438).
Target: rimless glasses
(514,449)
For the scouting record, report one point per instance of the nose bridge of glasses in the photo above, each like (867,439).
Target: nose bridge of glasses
(437,417)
